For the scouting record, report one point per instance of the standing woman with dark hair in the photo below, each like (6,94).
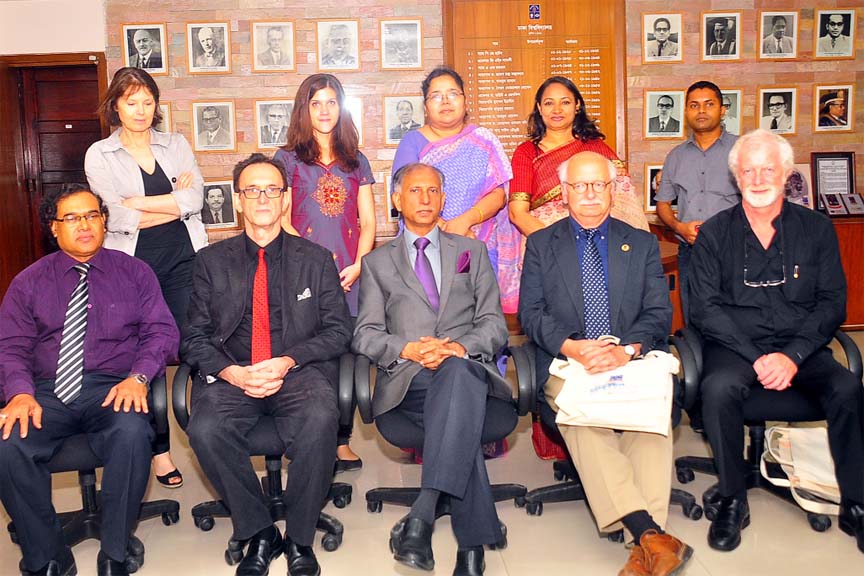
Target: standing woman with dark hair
(154,193)
(330,185)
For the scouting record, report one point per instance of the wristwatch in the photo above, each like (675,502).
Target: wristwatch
(630,351)
(140,378)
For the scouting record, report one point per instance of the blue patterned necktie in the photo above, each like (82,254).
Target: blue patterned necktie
(70,361)
(594,292)
(423,270)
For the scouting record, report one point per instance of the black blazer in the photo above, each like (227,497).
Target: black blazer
(551,306)
(315,319)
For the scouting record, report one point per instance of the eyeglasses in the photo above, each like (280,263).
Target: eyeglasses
(253,192)
(664,105)
(763,283)
(582,187)
(439,97)
(776,104)
(661,30)
(210,118)
(74,219)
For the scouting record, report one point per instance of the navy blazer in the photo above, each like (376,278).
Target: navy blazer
(551,306)
(316,325)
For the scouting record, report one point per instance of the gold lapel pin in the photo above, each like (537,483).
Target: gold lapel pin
(625,247)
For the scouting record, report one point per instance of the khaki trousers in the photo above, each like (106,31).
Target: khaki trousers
(621,472)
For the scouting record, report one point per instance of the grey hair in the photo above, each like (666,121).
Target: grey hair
(787,155)
(407,169)
(562,168)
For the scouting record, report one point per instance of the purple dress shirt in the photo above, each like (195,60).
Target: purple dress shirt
(129,327)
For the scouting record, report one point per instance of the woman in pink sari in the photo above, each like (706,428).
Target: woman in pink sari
(476,175)
(558,128)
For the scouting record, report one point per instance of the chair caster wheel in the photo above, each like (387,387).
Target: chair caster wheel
(519,501)
(233,557)
(374,506)
(169,518)
(819,522)
(205,523)
(534,508)
(501,544)
(133,563)
(559,476)
(685,475)
(694,512)
(341,501)
(617,537)
(331,542)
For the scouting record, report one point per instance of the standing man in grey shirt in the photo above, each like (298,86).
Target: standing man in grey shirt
(696,172)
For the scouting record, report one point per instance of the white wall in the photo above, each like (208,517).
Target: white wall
(52,26)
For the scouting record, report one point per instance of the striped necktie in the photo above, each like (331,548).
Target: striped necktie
(70,362)
(594,293)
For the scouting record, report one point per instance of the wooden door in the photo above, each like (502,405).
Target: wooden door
(60,122)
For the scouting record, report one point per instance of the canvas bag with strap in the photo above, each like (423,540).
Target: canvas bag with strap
(805,458)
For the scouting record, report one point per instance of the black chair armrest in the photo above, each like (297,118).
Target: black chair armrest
(691,368)
(159,404)
(346,389)
(853,354)
(363,388)
(178,394)
(523,360)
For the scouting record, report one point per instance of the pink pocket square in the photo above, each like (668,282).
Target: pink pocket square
(464,263)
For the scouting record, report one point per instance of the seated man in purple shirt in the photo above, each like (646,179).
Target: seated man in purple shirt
(82,333)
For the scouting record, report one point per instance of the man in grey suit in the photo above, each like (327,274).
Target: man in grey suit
(584,277)
(431,320)
(777,42)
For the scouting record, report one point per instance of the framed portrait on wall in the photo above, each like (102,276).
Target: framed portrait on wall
(166,124)
(661,38)
(833,107)
(663,114)
(208,47)
(213,126)
(778,107)
(144,46)
(834,34)
(273,46)
(731,102)
(799,186)
(218,210)
(653,177)
(272,118)
(338,44)
(401,115)
(401,44)
(778,35)
(721,36)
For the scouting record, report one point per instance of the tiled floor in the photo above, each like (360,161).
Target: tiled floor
(561,541)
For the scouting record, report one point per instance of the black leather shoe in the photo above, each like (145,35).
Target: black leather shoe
(851,521)
(107,566)
(348,465)
(469,562)
(63,564)
(732,517)
(260,553)
(301,559)
(413,546)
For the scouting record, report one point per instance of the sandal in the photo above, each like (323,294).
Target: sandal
(165,479)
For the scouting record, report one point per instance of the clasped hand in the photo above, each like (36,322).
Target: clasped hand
(775,371)
(430,352)
(259,380)
(595,355)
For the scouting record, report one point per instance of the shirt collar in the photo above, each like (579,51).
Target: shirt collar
(724,135)
(272,249)
(578,228)
(98,261)
(113,143)
(434,237)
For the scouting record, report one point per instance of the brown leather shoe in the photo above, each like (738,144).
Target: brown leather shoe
(635,564)
(665,555)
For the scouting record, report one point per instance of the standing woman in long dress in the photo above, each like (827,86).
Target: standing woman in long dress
(330,184)
(154,192)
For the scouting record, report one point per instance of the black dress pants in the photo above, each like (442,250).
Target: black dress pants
(726,382)
(306,418)
(122,441)
(450,405)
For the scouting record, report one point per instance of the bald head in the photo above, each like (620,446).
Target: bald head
(586,187)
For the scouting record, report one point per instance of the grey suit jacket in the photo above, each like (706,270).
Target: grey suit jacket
(551,305)
(394,310)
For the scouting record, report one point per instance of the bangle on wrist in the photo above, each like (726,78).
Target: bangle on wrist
(480,213)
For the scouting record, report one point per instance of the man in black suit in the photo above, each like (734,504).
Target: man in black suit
(664,122)
(584,277)
(216,210)
(267,323)
(145,57)
(275,132)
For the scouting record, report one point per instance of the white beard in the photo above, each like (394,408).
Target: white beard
(761,200)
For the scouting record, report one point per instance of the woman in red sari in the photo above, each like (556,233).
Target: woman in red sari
(558,128)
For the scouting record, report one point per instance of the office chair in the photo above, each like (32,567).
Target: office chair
(762,405)
(75,455)
(264,441)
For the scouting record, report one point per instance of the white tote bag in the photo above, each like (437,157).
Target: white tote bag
(636,396)
(805,458)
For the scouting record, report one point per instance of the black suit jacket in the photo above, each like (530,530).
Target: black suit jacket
(155,61)
(551,306)
(207,217)
(315,319)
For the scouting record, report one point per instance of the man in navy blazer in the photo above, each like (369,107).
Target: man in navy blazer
(583,277)
(434,342)
(266,326)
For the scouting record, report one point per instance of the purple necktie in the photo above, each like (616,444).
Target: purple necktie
(423,270)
